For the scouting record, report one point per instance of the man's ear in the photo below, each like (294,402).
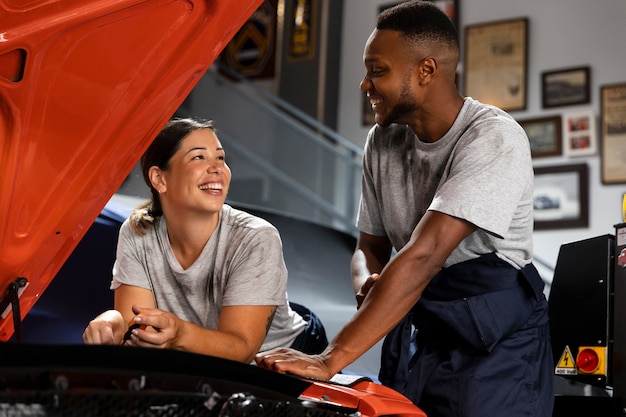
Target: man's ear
(156,179)
(427,69)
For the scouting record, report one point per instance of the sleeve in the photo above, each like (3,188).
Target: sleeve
(369,219)
(257,274)
(488,177)
(128,268)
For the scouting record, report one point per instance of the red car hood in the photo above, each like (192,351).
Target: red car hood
(85,85)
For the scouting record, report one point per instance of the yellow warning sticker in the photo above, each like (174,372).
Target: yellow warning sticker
(566,365)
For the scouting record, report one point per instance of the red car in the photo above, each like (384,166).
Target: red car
(84,87)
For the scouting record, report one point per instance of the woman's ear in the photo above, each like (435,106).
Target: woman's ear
(156,179)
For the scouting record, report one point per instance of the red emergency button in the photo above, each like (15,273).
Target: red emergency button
(587,360)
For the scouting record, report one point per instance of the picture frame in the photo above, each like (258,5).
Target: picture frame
(449,7)
(367,114)
(496,63)
(565,87)
(561,197)
(613,133)
(544,135)
(579,134)
(302,24)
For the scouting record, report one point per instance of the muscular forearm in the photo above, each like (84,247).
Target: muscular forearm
(400,286)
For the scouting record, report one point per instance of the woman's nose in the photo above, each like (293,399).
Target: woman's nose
(215,169)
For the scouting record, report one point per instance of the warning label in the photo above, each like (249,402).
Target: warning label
(566,365)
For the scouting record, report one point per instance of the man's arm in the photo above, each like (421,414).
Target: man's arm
(400,285)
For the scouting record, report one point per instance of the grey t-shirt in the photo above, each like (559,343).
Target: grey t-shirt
(241,264)
(480,171)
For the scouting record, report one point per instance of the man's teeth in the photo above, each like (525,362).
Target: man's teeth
(375,101)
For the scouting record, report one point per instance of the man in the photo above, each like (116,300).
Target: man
(448,183)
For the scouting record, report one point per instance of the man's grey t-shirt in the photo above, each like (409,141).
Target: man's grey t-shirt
(480,171)
(241,264)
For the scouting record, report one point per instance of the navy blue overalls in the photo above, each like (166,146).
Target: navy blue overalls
(482,344)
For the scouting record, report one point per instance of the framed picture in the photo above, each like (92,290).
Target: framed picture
(613,131)
(367,114)
(561,197)
(544,135)
(565,87)
(302,25)
(450,7)
(495,66)
(579,132)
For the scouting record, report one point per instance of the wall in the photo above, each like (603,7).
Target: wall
(562,34)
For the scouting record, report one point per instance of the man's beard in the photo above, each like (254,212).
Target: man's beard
(399,114)
(402,111)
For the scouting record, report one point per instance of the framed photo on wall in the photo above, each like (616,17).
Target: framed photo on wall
(613,131)
(450,7)
(495,67)
(302,24)
(561,197)
(544,135)
(565,87)
(579,130)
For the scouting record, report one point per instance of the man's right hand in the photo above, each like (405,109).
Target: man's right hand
(365,289)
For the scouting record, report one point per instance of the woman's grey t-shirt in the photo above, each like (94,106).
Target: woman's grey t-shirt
(480,171)
(241,264)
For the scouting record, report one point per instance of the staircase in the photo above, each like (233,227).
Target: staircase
(282,160)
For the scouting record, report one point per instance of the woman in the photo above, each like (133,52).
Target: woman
(194,273)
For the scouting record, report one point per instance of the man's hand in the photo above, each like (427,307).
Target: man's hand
(291,361)
(365,289)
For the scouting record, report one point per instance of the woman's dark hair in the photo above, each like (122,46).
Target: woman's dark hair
(420,21)
(158,154)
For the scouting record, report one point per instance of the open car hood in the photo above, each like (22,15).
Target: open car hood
(85,85)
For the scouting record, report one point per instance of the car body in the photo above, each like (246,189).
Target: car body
(85,85)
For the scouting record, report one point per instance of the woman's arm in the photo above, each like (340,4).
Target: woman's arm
(109,327)
(240,334)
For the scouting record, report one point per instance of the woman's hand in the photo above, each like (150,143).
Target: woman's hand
(157,328)
(106,329)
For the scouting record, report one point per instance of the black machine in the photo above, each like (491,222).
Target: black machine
(587,318)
